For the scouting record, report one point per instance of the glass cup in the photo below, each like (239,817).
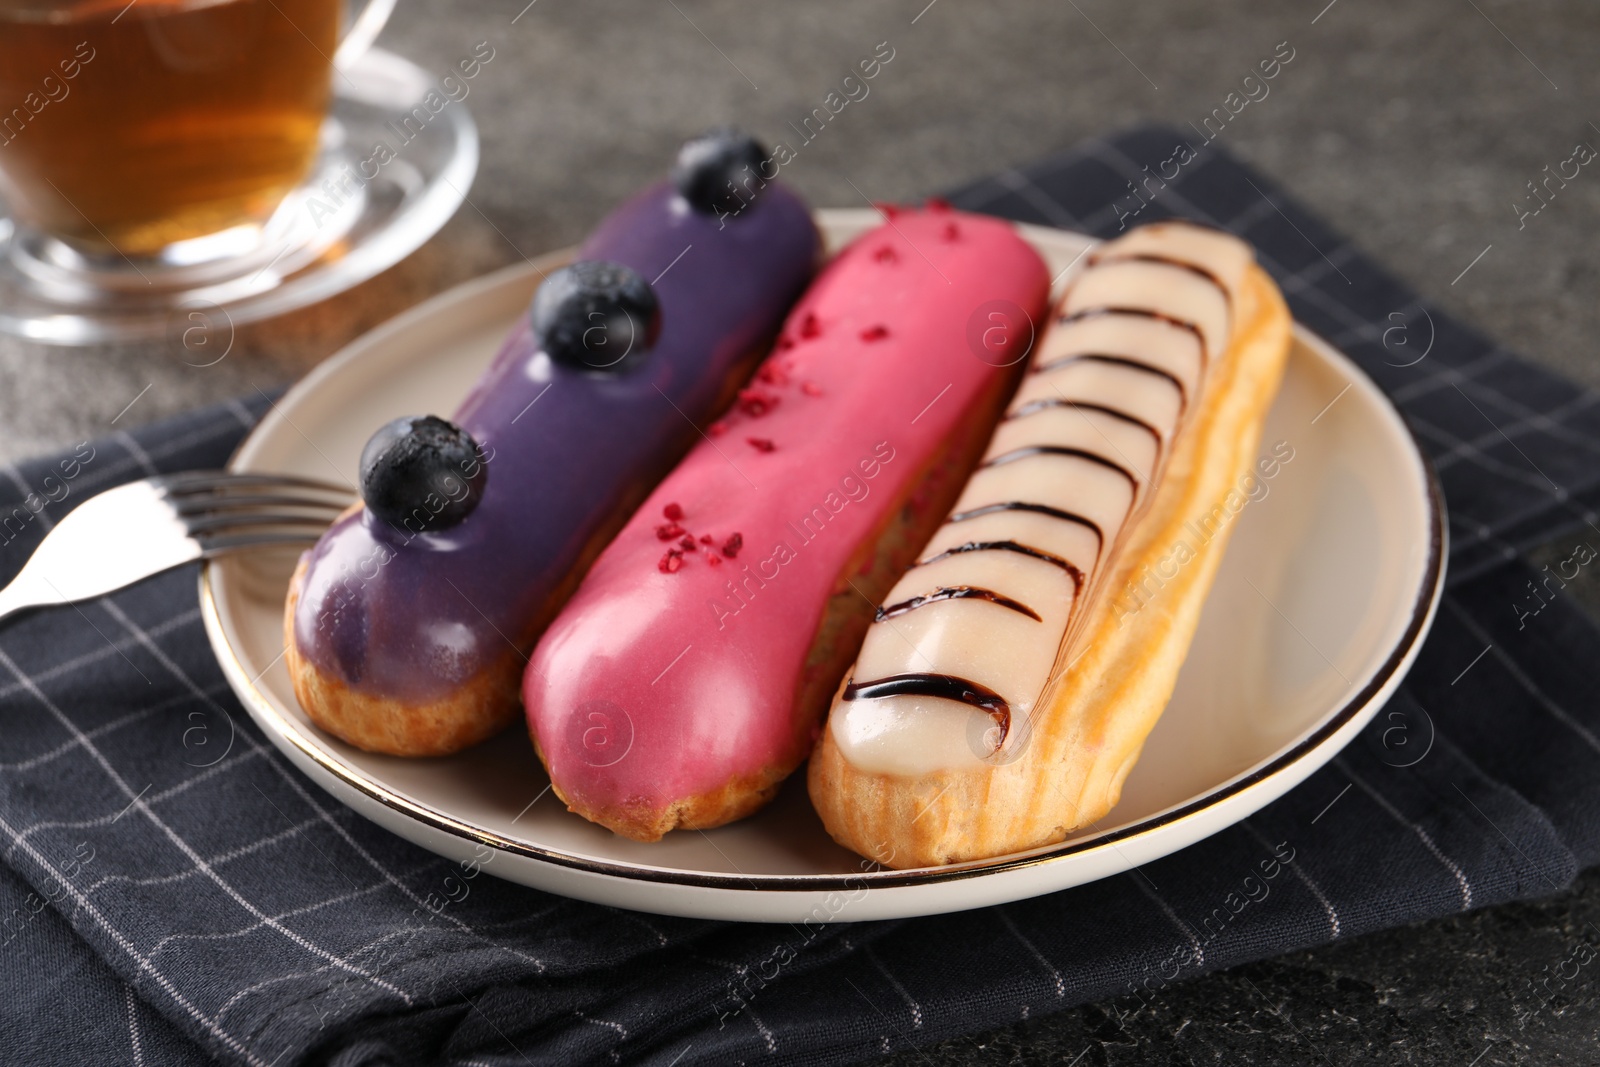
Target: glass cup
(164,132)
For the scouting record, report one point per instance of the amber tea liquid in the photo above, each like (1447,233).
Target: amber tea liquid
(129,127)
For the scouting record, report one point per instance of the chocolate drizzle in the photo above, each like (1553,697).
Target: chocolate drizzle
(1029,451)
(1037,509)
(1170,320)
(962,690)
(1033,407)
(1168,261)
(956,592)
(1120,361)
(1010,546)
(943,686)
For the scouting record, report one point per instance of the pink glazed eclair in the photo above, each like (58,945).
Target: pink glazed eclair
(689,674)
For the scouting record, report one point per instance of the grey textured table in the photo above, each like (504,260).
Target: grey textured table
(1414,128)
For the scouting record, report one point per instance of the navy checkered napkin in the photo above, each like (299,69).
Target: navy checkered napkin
(170,904)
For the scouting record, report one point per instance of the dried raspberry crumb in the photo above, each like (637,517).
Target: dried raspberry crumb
(669,531)
(671,562)
(888,210)
(875,333)
(707,539)
(672,512)
(886,254)
(951,231)
(688,544)
(811,388)
(755,403)
(715,561)
(732,545)
(717,429)
(936,203)
(810,327)
(785,343)
(772,373)
(761,444)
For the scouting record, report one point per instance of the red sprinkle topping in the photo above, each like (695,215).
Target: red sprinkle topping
(717,429)
(669,531)
(785,343)
(732,545)
(936,203)
(671,562)
(772,373)
(888,210)
(886,254)
(672,512)
(715,561)
(761,444)
(810,327)
(707,539)
(875,333)
(755,403)
(951,231)
(811,388)
(688,544)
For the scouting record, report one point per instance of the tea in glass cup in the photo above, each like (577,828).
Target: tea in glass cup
(130,128)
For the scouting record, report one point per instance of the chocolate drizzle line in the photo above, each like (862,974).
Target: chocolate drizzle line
(956,592)
(942,686)
(1146,313)
(1010,546)
(1168,261)
(1029,451)
(1120,361)
(1033,407)
(1037,509)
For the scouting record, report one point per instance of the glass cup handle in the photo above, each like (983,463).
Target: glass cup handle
(364,29)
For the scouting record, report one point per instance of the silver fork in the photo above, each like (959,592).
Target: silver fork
(139,529)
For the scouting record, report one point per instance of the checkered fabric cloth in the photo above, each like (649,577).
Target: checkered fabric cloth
(176,893)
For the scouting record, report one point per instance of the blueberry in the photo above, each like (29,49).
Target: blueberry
(421,474)
(719,172)
(596,315)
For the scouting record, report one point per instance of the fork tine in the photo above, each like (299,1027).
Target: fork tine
(223,511)
(217,544)
(212,524)
(218,502)
(217,481)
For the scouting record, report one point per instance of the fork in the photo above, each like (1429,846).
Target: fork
(117,537)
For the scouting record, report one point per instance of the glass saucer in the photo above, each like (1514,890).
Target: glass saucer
(361,210)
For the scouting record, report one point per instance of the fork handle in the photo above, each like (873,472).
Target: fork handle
(24,593)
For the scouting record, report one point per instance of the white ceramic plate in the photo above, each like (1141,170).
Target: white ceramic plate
(1320,607)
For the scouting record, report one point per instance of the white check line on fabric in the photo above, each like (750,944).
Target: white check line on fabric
(128,947)
(1421,834)
(1183,927)
(177,840)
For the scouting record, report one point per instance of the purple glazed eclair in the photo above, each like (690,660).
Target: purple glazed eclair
(409,623)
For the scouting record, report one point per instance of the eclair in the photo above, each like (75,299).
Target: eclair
(408,625)
(1004,691)
(687,676)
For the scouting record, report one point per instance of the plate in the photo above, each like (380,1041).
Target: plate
(318,243)
(1318,609)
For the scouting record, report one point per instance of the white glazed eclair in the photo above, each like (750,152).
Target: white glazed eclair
(998,701)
